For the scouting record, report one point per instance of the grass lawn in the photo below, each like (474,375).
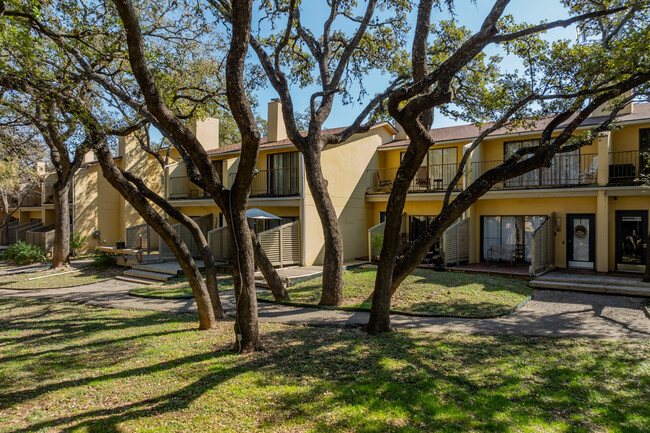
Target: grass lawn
(69,367)
(177,288)
(425,292)
(85,275)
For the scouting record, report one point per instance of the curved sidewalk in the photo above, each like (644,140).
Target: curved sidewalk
(550,314)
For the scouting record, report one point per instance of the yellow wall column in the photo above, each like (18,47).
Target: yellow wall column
(604,146)
(602,232)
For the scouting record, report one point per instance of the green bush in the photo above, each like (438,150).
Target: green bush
(102,261)
(77,242)
(22,253)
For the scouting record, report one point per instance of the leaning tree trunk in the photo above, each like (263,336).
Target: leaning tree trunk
(332,293)
(61,249)
(164,230)
(211,279)
(246,321)
(270,274)
(379,320)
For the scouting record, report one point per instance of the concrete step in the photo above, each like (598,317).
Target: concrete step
(597,288)
(160,268)
(147,275)
(136,280)
(604,280)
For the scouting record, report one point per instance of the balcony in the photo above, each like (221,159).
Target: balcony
(431,178)
(278,182)
(569,170)
(48,193)
(626,168)
(180,187)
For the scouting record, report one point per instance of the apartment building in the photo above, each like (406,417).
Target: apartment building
(280,188)
(588,210)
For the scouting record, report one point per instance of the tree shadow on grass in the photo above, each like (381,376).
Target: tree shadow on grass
(330,379)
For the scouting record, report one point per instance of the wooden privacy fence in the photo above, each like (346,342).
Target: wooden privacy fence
(204,223)
(219,241)
(19,233)
(142,237)
(375,241)
(543,247)
(282,244)
(41,237)
(456,243)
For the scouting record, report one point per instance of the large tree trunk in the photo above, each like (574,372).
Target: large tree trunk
(61,249)
(270,274)
(332,293)
(246,320)
(379,320)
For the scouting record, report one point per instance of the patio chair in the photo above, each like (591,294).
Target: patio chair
(587,176)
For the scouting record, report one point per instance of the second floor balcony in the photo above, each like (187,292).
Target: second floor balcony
(628,167)
(180,187)
(430,178)
(566,170)
(279,182)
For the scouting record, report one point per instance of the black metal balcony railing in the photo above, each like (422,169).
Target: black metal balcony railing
(273,183)
(626,168)
(431,178)
(181,188)
(565,171)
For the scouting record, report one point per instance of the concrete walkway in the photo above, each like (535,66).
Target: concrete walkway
(551,313)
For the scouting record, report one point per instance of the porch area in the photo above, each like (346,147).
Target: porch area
(613,283)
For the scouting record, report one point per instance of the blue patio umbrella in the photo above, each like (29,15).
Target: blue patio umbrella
(259,214)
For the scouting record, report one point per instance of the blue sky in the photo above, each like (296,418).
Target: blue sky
(468,13)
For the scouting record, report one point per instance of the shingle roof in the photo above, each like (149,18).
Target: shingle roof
(469,132)
(264,144)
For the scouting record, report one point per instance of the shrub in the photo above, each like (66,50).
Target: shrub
(22,253)
(77,242)
(101,261)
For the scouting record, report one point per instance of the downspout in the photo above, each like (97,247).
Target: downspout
(303,229)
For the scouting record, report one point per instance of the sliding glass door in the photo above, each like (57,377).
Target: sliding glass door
(512,233)
(283,173)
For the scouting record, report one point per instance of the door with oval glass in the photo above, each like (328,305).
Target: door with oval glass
(581,240)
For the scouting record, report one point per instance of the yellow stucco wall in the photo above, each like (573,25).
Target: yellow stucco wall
(344,167)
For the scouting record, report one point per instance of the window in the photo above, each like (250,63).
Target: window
(437,170)
(417,224)
(510,231)
(218,167)
(564,169)
(283,173)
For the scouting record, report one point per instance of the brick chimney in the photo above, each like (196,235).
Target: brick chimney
(276,129)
